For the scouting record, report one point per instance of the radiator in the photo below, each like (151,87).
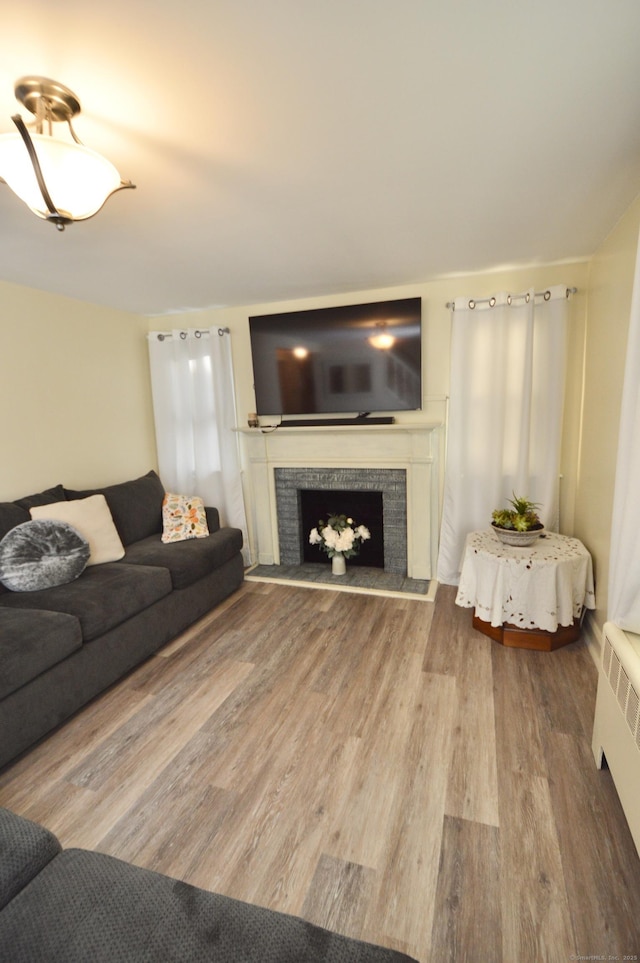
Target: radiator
(616,728)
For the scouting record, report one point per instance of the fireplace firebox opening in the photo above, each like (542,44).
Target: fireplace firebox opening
(365,507)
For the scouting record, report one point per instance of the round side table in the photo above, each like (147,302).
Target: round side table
(529,598)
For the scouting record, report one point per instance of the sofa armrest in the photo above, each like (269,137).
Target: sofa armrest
(92,908)
(25,849)
(213,519)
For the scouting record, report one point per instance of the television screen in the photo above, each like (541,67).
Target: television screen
(353,359)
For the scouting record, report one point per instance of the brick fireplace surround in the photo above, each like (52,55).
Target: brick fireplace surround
(403,461)
(390,481)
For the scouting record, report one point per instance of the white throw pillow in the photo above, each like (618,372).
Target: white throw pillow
(92,518)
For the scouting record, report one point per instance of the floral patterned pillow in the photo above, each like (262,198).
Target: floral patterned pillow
(183,517)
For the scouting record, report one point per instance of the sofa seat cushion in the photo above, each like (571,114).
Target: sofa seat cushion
(190,560)
(89,906)
(25,849)
(103,596)
(31,642)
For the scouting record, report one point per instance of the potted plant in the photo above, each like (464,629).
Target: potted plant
(340,538)
(519,524)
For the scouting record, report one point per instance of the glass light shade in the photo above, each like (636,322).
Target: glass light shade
(382,341)
(78,179)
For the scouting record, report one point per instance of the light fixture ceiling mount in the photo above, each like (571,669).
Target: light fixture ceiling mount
(66,181)
(41,95)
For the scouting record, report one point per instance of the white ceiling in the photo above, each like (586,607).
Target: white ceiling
(290,148)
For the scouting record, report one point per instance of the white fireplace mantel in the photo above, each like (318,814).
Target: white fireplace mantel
(414,447)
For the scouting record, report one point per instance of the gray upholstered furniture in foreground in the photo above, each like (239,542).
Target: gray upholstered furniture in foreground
(61,646)
(74,906)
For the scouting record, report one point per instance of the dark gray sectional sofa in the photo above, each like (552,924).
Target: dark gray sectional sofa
(61,646)
(75,906)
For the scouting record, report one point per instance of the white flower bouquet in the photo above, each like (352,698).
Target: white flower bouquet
(339,535)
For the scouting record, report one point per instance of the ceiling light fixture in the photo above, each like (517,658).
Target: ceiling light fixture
(64,181)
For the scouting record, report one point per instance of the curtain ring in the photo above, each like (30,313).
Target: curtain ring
(198,334)
(547,295)
(161,337)
(492,302)
(508,299)
(527,297)
(472,305)
(183,335)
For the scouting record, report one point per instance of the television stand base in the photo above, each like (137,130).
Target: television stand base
(324,422)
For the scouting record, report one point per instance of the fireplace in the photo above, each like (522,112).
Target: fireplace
(400,460)
(354,491)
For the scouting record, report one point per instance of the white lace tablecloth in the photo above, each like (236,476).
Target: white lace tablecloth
(542,586)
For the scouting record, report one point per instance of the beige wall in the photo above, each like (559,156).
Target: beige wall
(436,343)
(609,304)
(74,392)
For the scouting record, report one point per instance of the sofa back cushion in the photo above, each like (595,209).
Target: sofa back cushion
(10,516)
(17,512)
(55,494)
(136,506)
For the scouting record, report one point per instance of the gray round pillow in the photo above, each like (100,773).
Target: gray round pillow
(40,554)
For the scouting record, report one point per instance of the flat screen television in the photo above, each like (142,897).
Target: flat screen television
(356,359)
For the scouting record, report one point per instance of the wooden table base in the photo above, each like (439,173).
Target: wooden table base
(519,638)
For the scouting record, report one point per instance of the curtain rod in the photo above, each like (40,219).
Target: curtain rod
(511,297)
(165,335)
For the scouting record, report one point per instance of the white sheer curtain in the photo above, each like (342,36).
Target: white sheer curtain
(194,413)
(624,564)
(505,413)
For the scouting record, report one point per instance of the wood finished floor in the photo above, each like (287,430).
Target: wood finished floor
(372,764)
